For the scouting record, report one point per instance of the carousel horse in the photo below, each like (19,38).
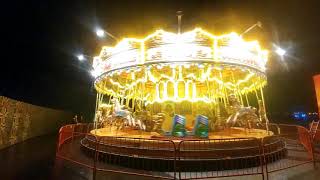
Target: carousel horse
(118,111)
(122,114)
(241,115)
(144,117)
(157,122)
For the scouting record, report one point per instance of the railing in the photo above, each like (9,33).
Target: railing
(290,146)
(299,149)
(316,143)
(68,146)
(221,154)
(133,152)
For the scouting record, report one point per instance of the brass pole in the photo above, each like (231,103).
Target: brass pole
(264,108)
(247,99)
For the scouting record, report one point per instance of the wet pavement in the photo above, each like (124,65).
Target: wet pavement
(31,159)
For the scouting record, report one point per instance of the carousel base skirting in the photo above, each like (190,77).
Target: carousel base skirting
(228,149)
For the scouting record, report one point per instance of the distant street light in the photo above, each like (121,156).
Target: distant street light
(94,73)
(257,24)
(80,57)
(281,52)
(100,33)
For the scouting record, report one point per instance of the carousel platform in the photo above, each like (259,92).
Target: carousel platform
(232,148)
(234,132)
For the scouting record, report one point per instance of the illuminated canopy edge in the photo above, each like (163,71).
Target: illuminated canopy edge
(193,46)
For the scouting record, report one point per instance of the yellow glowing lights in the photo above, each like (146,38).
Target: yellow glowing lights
(196,45)
(193,66)
(177,83)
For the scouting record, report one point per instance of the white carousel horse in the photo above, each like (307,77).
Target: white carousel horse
(120,112)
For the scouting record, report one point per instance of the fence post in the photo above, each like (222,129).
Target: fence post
(94,171)
(73,127)
(261,157)
(312,152)
(59,140)
(174,160)
(179,158)
(265,163)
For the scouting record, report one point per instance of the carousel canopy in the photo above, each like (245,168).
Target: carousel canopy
(192,66)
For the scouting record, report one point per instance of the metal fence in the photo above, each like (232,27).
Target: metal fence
(298,149)
(137,156)
(289,147)
(219,158)
(69,148)
(316,144)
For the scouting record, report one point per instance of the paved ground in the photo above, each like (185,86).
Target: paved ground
(35,159)
(31,159)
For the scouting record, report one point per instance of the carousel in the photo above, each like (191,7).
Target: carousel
(180,86)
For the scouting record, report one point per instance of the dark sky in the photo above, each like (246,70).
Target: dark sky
(41,38)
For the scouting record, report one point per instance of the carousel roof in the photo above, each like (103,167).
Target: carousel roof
(193,46)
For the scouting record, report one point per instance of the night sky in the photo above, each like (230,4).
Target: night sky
(41,38)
